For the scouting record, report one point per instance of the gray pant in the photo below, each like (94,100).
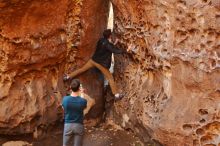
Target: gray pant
(73,132)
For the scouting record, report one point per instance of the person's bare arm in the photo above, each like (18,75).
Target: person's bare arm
(90,103)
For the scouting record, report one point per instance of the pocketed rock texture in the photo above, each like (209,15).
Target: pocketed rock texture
(171,74)
(39,41)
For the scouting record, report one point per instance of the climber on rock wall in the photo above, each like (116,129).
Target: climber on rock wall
(73,106)
(102,60)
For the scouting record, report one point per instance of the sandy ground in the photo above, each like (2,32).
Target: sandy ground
(104,135)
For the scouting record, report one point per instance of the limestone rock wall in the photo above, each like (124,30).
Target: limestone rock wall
(39,41)
(171,75)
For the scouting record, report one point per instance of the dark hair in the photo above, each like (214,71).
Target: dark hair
(75,84)
(107,33)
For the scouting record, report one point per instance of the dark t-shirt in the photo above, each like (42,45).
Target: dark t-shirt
(73,109)
(103,53)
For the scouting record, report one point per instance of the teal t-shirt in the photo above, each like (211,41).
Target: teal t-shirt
(73,109)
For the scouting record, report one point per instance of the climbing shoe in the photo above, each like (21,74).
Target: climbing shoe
(119,96)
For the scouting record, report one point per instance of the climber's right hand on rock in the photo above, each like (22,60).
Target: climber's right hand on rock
(66,77)
(116,41)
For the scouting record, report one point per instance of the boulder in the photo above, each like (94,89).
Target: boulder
(171,73)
